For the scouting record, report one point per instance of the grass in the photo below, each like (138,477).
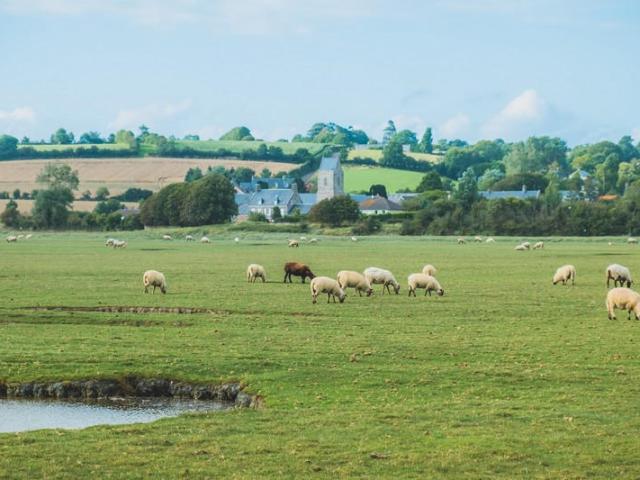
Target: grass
(101,146)
(506,376)
(358,178)
(240,146)
(376,154)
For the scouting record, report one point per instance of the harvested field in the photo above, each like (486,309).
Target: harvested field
(25,206)
(118,174)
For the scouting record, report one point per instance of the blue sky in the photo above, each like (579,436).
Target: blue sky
(469,69)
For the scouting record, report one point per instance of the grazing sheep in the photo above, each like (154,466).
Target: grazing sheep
(624,299)
(538,246)
(526,245)
(490,240)
(109,242)
(12,238)
(205,240)
(152,278)
(294,243)
(429,283)
(313,240)
(619,274)
(237,239)
(564,274)
(429,270)
(167,237)
(29,235)
(189,238)
(119,244)
(632,240)
(297,270)
(349,279)
(610,243)
(354,239)
(254,271)
(303,239)
(521,248)
(477,239)
(379,276)
(20,236)
(326,285)
(461,241)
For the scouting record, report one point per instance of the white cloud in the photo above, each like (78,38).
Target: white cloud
(19,114)
(635,133)
(148,114)
(521,116)
(455,127)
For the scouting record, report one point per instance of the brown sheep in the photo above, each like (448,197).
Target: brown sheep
(297,269)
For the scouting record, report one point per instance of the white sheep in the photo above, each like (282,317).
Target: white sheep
(12,238)
(167,237)
(354,239)
(20,236)
(29,235)
(254,271)
(429,270)
(294,243)
(526,245)
(237,239)
(303,239)
(429,283)
(477,239)
(326,285)
(205,240)
(313,240)
(152,278)
(521,248)
(189,238)
(490,240)
(119,244)
(538,246)
(632,240)
(619,274)
(461,241)
(350,279)
(564,274)
(380,276)
(624,299)
(109,242)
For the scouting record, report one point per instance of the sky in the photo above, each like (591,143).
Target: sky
(470,69)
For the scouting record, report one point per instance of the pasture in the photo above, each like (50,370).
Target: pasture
(506,376)
(376,154)
(239,146)
(359,178)
(118,174)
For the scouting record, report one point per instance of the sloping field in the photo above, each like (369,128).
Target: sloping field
(118,174)
(358,178)
(25,206)
(241,146)
(101,146)
(376,155)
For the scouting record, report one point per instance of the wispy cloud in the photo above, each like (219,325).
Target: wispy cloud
(456,126)
(148,114)
(19,114)
(522,115)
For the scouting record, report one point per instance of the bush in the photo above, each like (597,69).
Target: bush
(367,226)
(335,211)
(257,217)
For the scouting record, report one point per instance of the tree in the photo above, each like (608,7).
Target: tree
(378,189)
(91,137)
(102,193)
(467,190)
(51,206)
(266,173)
(389,132)
(59,176)
(532,181)
(25,140)
(276,214)
(431,181)
(192,138)
(489,178)
(11,216)
(16,194)
(193,174)
(405,137)
(62,137)
(107,207)
(144,130)
(8,146)
(628,151)
(335,211)
(392,154)
(126,137)
(210,200)
(238,133)
(426,143)
(243,174)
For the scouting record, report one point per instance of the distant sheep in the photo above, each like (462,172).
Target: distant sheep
(380,276)
(167,237)
(429,270)
(461,241)
(632,240)
(313,240)
(623,299)
(429,283)
(109,242)
(12,238)
(354,239)
(490,240)
(350,279)
(526,245)
(564,274)
(303,239)
(255,271)
(29,235)
(619,274)
(297,269)
(205,240)
(477,239)
(294,243)
(119,244)
(237,239)
(189,238)
(152,278)
(538,246)
(20,236)
(521,248)
(326,285)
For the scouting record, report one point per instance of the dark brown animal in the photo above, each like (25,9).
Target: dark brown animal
(297,270)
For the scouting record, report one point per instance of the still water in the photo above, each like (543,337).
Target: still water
(24,415)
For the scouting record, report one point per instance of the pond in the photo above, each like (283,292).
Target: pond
(25,415)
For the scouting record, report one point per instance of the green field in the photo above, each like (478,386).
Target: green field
(358,178)
(56,147)
(240,146)
(506,376)
(376,154)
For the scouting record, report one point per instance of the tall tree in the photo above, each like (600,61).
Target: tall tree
(467,190)
(56,175)
(389,132)
(8,146)
(91,137)
(62,137)
(426,143)
(378,189)
(431,181)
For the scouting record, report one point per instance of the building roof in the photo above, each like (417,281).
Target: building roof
(401,197)
(272,196)
(307,198)
(378,203)
(242,198)
(519,194)
(329,163)
(358,197)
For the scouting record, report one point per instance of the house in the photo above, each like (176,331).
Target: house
(378,205)
(262,183)
(523,194)
(265,201)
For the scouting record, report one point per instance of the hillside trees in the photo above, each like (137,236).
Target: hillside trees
(51,207)
(8,146)
(62,137)
(426,143)
(335,211)
(238,133)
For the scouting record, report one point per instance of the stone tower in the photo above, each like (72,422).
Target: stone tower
(330,178)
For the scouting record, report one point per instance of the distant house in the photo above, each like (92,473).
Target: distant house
(580,173)
(378,205)
(308,200)
(257,183)
(264,201)
(523,194)
(608,198)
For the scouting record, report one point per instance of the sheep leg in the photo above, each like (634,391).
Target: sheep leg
(154,290)
(359,293)
(328,297)
(263,280)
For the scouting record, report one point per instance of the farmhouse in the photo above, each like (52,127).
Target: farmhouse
(378,205)
(523,194)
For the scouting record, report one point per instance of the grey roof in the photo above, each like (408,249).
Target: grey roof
(378,203)
(329,163)
(272,196)
(308,198)
(304,208)
(519,194)
(242,198)
(401,197)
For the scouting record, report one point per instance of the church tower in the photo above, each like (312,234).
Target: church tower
(330,178)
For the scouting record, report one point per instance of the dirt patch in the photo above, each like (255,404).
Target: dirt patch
(179,310)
